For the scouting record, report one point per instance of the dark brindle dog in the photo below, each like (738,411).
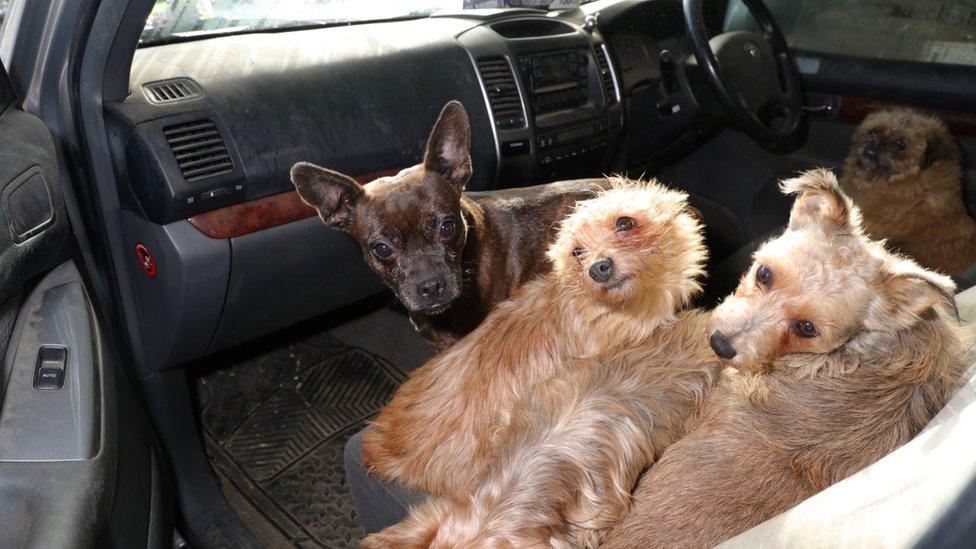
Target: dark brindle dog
(449,256)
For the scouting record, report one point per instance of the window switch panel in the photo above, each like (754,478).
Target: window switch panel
(52,360)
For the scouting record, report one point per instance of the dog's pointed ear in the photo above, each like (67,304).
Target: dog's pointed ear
(910,292)
(332,194)
(936,148)
(821,204)
(449,146)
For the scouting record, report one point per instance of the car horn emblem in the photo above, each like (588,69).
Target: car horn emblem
(752,49)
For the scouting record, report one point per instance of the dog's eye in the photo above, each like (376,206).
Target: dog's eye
(901,144)
(624,223)
(764,275)
(382,251)
(577,252)
(804,328)
(447,228)
(874,132)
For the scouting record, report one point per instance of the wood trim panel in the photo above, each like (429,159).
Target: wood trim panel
(263,213)
(854,109)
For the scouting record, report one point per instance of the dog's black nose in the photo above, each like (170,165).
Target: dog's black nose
(720,344)
(870,152)
(601,270)
(432,288)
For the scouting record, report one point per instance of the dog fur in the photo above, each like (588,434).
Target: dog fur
(453,255)
(796,414)
(438,433)
(904,173)
(575,447)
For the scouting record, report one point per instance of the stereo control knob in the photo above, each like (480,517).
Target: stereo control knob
(590,21)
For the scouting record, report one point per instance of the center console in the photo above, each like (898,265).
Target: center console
(556,80)
(553,96)
(567,121)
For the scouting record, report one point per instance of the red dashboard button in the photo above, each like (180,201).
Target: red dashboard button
(145,259)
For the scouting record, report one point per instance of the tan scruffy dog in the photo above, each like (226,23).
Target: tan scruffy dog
(623,263)
(575,447)
(841,353)
(904,173)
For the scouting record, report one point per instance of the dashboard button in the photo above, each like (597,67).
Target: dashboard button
(515,148)
(215,193)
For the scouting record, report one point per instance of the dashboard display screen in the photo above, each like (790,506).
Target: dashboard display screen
(553,68)
(557,68)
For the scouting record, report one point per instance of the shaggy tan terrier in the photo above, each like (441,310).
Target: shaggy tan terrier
(623,263)
(841,352)
(904,174)
(574,448)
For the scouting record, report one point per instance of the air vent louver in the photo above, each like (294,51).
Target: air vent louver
(199,149)
(171,91)
(606,75)
(503,94)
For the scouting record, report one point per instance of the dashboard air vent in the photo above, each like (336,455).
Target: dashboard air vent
(606,75)
(199,149)
(503,94)
(171,91)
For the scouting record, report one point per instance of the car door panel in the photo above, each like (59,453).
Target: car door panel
(77,465)
(55,449)
(927,85)
(34,224)
(53,321)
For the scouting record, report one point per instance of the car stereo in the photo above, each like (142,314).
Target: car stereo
(556,80)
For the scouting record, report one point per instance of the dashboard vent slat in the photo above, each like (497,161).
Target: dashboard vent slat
(171,91)
(503,93)
(606,75)
(199,149)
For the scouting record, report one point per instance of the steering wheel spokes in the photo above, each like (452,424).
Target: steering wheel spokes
(752,74)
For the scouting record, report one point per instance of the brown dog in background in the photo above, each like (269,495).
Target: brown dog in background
(841,352)
(449,256)
(904,173)
(623,264)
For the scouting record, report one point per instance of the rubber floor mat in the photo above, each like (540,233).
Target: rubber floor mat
(275,427)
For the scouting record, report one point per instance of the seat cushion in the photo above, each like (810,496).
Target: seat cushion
(379,504)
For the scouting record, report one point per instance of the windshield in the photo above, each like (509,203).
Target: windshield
(187,19)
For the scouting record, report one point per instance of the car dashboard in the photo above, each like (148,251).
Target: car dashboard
(224,251)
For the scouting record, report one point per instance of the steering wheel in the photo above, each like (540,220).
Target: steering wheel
(751,74)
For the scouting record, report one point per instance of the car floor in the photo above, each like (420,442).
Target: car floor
(275,416)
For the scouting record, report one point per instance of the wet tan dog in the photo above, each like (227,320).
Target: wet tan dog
(575,447)
(904,173)
(449,256)
(623,263)
(841,352)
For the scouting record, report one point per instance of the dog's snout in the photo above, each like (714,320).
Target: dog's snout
(601,270)
(432,288)
(721,345)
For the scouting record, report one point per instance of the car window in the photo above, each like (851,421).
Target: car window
(189,19)
(937,31)
(196,18)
